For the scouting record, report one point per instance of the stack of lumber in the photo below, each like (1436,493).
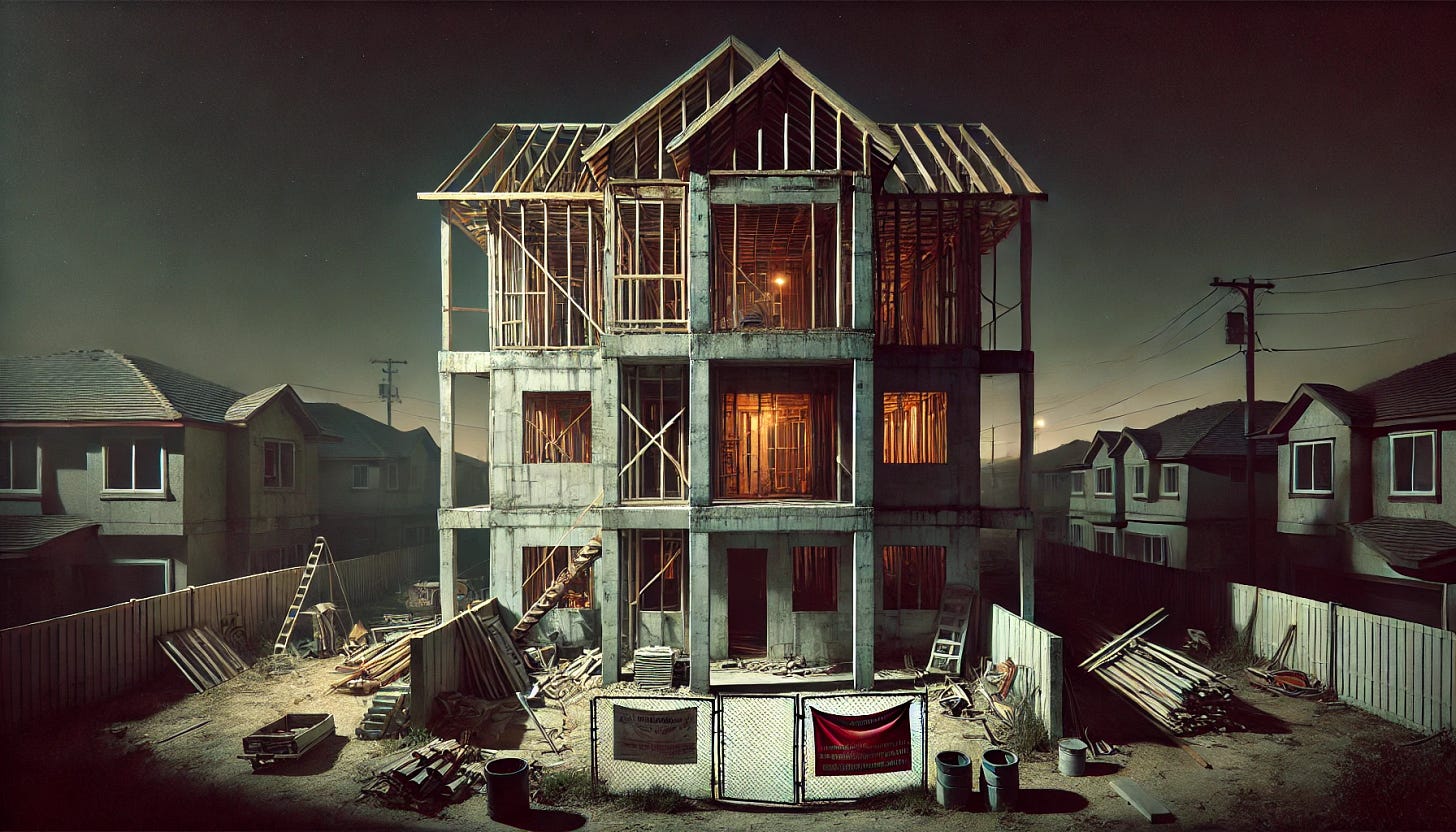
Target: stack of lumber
(568,682)
(379,669)
(491,666)
(204,658)
(433,775)
(652,667)
(1178,693)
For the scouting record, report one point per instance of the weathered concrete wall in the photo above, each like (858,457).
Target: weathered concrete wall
(1312,514)
(957,482)
(569,628)
(514,484)
(1424,508)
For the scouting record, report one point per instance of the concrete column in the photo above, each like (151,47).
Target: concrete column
(699,618)
(864,610)
(447,574)
(1026,549)
(865,413)
(1449,608)
(699,279)
(609,603)
(700,444)
(606,431)
(862,260)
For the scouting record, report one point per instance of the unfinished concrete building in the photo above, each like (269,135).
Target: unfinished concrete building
(742,335)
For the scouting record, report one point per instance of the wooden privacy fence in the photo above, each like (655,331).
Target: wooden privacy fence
(435,657)
(1192,599)
(1038,657)
(53,666)
(1263,628)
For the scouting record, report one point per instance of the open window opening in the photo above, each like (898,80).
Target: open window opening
(925,271)
(654,432)
(541,564)
(915,428)
(656,560)
(649,281)
(816,578)
(557,427)
(780,267)
(546,282)
(914,576)
(778,436)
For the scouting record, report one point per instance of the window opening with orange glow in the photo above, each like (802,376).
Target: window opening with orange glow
(556,427)
(816,579)
(776,445)
(780,267)
(541,564)
(914,428)
(914,576)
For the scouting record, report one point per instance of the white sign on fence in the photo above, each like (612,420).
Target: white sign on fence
(658,737)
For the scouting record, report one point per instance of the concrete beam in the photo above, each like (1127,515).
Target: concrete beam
(781,517)
(657,516)
(700,295)
(464,362)
(784,345)
(774,190)
(447,574)
(862,255)
(699,614)
(863,594)
(663,345)
(609,602)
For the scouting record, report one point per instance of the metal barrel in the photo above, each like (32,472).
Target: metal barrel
(1000,778)
(954,780)
(1072,757)
(507,788)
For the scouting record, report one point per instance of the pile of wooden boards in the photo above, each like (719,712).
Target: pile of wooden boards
(376,669)
(1178,693)
(204,658)
(492,667)
(568,682)
(430,777)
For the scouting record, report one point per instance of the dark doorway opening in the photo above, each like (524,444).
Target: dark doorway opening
(748,602)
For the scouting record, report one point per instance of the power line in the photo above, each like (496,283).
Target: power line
(1160,383)
(1339,347)
(1129,413)
(1369,285)
(1363,268)
(1174,319)
(1364,308)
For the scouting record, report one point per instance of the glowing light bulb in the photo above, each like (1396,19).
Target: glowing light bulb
(779,281)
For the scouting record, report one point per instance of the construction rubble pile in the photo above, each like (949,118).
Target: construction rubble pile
(429,777)
(372,666)
(792,666)
(1273,677)
(1178,693)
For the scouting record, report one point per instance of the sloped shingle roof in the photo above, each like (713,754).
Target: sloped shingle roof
(1069,455)
(104,385)
(1424,390)
(22,533)
(362,437)
(1215,430)
(1418,548)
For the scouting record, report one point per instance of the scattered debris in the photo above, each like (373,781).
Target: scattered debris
(566,683)
(432,776)
(381,668)
(287,738)
(1178,693)
(1197,641)
(175,734)
(388,714)
(1274,677)
(493,667)
(521,698)
(204,658)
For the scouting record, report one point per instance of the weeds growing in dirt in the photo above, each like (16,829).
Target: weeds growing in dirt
(1391,786)
(570,788)
(275,665)
(415,738)
(656,799)
(1025,732)
(914,801)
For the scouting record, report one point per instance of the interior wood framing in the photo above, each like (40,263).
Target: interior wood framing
(914,577)
(649,257)
(656,559)
(780,267)
(541,564)
(916,428)
(654,424)
(777,435)
(556,427)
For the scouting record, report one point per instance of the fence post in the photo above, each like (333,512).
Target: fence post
(1334,647)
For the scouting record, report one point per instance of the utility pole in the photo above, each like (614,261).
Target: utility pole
(387,391)
(1247,287)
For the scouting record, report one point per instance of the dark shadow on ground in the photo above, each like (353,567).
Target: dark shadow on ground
(316,760)
(544,820)
(1102,769)
(1049,802)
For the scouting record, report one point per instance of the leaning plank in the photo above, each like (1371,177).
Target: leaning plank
(1155,810)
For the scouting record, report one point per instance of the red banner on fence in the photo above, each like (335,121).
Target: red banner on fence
(870,744)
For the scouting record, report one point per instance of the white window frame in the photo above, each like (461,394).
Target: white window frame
(1098,534)
(10,444)
(292,451)
(1097,486)
(1140,480)
(354,474)
(391,476)
(168,579)
(1152,548)
(1079,484)
(1294,448)
(106,451)
(1163,489)
(1074,534)
(1435,464)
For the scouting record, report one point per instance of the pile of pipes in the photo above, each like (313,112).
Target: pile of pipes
(1178,693)
(433,775)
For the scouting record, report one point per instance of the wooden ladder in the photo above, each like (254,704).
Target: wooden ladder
(310,566)
(579,561)
(949,646)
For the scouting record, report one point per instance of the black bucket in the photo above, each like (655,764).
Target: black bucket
(507,788)
(1000,778)
(953,779)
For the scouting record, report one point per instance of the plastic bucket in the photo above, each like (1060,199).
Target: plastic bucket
(954,781)
(1072,757)
(1000,778)
(507,788)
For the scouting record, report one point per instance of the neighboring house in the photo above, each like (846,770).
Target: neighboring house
(1055,472)
(1365,507)
(179,481)
(738,335)
(1174,493)
(379,487)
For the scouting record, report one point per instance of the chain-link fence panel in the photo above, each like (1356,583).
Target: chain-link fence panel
(824,787)
(758,755)
(643,741)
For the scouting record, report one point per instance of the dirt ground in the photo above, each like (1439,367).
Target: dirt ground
(103,769)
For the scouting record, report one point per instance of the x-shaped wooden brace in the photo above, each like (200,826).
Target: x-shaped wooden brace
(654,439)
(556,441)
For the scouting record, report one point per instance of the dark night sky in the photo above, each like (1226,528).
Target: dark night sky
(229,189)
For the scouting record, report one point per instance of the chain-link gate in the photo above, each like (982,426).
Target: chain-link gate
(643,741)
(817,788)
(758,747)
